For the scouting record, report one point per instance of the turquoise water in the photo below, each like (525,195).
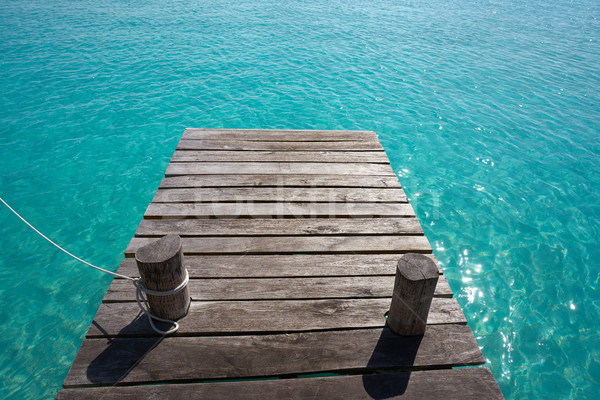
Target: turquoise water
(488,110)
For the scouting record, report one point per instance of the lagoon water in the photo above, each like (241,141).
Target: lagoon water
(489,112)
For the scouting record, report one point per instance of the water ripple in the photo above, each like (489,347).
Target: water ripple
(487,110)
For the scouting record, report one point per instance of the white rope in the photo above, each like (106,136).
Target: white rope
(143,303)
(63,250)
(137,282)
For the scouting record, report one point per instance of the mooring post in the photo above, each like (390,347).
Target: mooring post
(416,279)
(161,268)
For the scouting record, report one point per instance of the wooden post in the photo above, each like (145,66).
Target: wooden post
(416,279)
(161,268)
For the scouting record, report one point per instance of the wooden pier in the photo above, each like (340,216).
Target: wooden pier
(291,240)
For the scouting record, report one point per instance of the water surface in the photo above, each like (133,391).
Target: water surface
(488,111)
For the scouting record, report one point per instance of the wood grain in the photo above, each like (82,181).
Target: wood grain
(337,195)
(161,266)
(172,359)
(280,288)
(277,168)
(416,281)
(292,180)
(377,157)
(209,317)
(448,384)
(275,266)
(284,227)
(277,210)
(263,135)
(295,244)
(249,145)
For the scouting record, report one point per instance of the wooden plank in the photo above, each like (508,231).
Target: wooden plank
(280,288)
(277,210)
(295,244)
(378,157)
(248,145)
(448,384)
(277,294)
(172,359)
(338,195)
(278,135)
(274,266)
(277,168)
(276,227)
(250,317)
(258,180)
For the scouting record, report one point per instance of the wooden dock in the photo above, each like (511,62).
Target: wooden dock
(291,240)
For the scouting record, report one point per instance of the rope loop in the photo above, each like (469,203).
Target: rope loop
(142,302)
(176,290)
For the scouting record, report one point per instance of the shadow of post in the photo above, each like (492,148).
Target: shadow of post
(391,352)
(123,354)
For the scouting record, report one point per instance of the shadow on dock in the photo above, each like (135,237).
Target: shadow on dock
(122,354)
(391,350)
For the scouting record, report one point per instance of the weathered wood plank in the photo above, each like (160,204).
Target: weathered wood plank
(207,318)
(280,288)
(276,227)
(145,360)
(448,384)
(210,195)
(283,135)
(378,157)
(277,210)
(277,168)
(248,145)
(359,181)
(295,244)
(275,295)
(274,266)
